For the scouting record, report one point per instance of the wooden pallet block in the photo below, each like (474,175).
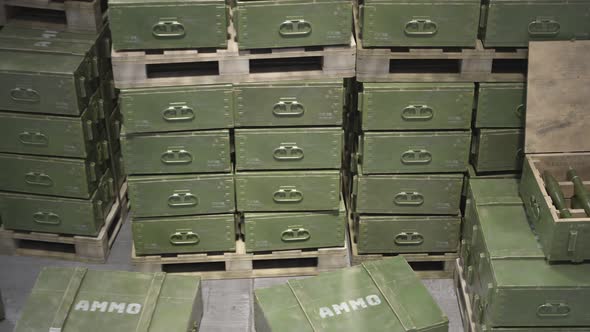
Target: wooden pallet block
(78,15)
(403,64)
(239,264)
(135,69)
(463,298)
(426,265)
(68,247)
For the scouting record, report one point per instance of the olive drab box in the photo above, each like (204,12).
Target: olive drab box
(292,23)
(514,23)
(297,148)
(553,145)
(406,234)
(383,295)
(176,152)
(177,108)
(435,194)
(501,105)
(288,191)
(59,215)
(74,299)
(294,230)
(168,24)
(431,23)
(496,150)
(416,106)
(178,195)
(502,246)
(414,152)
(279,104)
(187,234)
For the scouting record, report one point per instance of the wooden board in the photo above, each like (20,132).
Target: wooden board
(558,97)
(426,265)
(78,15)
(68,247)
(239,264)
(463,298)
(134,69)
(439,64)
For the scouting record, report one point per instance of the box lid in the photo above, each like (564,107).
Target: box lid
(383,295)
(77,299)
(558,97)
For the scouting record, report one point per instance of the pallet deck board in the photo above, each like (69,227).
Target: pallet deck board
(135,69)
(80,15)
(68,247)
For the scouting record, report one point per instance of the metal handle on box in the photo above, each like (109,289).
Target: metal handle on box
(38,179)
(46,218)
(295,234)
(288,108)
(408,199)
(421,27)
(33,138)
(417,113)
(295,28)
(184,237)
(409,239)
(168,29)
(25,95)
(412,157)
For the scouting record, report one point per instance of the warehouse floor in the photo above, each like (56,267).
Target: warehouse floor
(228,303)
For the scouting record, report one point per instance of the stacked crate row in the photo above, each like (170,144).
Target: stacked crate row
(213,166)
(59,131)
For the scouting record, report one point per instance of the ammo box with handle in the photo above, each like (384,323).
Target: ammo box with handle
(74,300)
(427,23)
(502,247)
(168,24)
(558,115)
(383,295)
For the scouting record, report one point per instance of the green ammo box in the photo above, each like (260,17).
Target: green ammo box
(168,24)
(497,150)
(514,23)
(283,104)
(512,283)
(383,295)
(422,23)
(501,105)
(292,23)
(188,234)
(416,106)
(77,299)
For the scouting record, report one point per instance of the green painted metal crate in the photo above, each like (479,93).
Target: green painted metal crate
(501,105)
(179,152)
(168,24)
(288,191)
(414,152)
(177,108)
(294,230)
(301,148)
(406,234)
(58,215)
(416,106)
(424,23)
(514,23)
(292,23)
(181,195)
(435,194)
(279,104)
(512,283)
(74,299)
(497,150)
(189,234)
(382,295)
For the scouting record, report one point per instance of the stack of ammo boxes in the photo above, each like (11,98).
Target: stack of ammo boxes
(247,165)
(58,128)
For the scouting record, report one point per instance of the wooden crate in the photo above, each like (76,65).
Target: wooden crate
(239,264)
(74,15)
(68,247)
(463,298)
(150,68)
(404,64)
(426,265)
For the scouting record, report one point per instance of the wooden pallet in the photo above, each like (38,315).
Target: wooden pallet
(463,298)
(68,247)
(73,15)
(134,69)
(239,264)
(426,265)
(439,64)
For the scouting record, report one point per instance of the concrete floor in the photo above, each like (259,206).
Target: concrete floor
(228,303)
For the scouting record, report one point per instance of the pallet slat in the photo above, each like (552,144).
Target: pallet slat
(67,247)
